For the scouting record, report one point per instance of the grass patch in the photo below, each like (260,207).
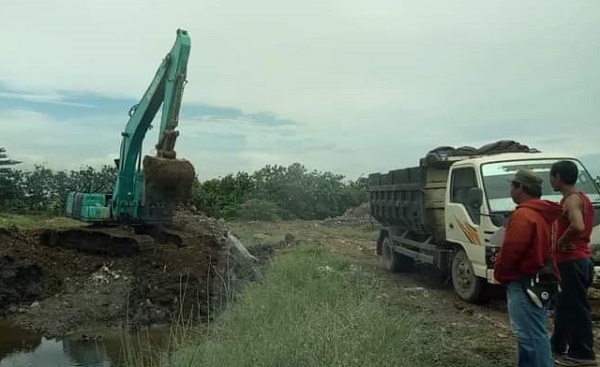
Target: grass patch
(314,308)
(35,221)
(263,231)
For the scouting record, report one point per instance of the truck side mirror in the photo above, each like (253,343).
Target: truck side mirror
(475,197)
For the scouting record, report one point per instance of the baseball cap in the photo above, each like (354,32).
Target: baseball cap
(527,178)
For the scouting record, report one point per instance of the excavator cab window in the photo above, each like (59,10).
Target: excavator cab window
(463,180)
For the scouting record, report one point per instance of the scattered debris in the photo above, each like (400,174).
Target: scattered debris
(104,275)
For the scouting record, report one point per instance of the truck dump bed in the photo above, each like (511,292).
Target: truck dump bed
(413,198)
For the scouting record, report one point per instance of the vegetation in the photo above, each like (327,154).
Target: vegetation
(278,192)
(271,193)
(26,222)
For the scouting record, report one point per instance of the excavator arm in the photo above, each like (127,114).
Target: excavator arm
(163,171)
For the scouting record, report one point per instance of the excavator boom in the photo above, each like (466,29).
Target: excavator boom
(130,194)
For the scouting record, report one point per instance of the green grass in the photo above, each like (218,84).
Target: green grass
(265,232)
(27,222)
(314,308)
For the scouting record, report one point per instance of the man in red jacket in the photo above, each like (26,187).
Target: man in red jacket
(572,322)
(525,249)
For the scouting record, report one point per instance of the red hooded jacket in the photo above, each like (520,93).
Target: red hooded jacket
(527,240)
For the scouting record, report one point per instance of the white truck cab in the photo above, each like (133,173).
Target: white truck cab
(472,225)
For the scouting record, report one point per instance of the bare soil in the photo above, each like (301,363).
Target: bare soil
(57,291)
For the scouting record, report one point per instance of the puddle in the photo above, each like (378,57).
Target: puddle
(19,348)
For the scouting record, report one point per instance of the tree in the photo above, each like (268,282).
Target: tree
(9,181)
(5,161)
(281,192)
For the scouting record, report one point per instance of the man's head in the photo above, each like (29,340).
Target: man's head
(563,174)
(525,185)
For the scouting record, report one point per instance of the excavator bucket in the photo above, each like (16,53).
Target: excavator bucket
(168,180)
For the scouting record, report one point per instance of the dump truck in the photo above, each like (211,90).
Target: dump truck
(443,212)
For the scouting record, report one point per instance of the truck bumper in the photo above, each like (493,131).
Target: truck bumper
(490,276)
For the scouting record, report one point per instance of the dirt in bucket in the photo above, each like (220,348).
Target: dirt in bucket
(168,180)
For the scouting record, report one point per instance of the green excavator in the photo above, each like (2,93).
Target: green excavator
(138,212)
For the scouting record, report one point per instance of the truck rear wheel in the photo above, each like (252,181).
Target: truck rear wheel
(467,285)
(394,261)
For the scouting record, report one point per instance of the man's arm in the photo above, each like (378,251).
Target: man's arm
(573,209)
(518,236)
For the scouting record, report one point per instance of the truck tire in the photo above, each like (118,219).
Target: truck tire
(394,261)
(467,285)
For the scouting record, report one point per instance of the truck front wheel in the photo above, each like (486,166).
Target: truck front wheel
(467,285)
(394,261)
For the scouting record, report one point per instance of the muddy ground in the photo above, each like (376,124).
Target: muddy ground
(57,291)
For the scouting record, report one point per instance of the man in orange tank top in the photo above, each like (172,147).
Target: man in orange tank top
(572,338)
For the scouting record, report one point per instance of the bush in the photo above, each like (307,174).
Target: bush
(256,209)
(278,192)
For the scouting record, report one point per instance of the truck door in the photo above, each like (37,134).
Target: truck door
(463,218)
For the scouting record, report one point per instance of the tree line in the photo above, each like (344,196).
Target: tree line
(274,192)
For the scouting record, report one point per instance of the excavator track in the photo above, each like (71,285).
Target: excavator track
(112,241)
(165,234)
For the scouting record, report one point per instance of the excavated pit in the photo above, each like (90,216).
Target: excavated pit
(168,180)
(63,290)
(19,283)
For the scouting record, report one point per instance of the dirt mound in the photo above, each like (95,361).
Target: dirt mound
(182,281)
(360,216)
(80,291)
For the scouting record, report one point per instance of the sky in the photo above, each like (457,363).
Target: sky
(344,86)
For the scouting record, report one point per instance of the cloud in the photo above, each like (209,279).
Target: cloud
(217,140)
(351,86)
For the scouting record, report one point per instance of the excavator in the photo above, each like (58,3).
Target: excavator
(138,212)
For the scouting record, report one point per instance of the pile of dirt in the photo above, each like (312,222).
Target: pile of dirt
(191,281)
(358,216)
(79,291)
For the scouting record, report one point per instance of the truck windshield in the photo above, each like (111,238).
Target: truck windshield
(496,178)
